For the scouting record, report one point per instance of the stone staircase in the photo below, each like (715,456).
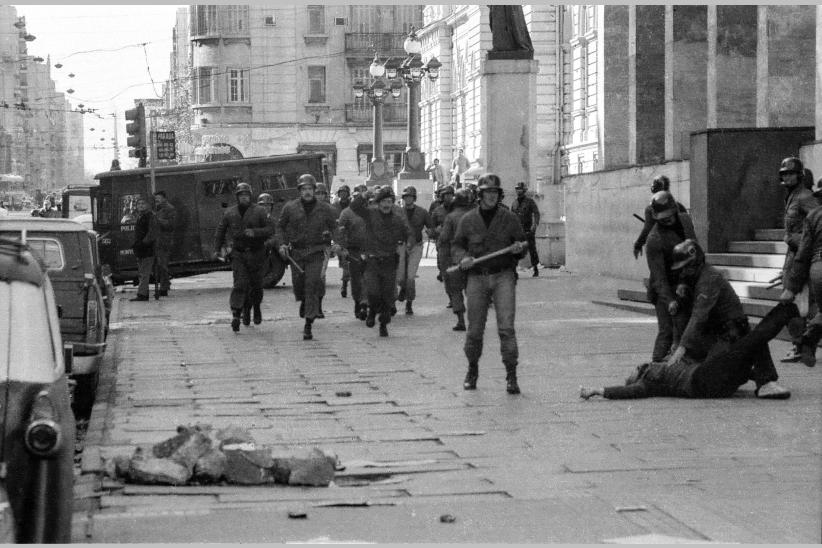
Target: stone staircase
(749,266)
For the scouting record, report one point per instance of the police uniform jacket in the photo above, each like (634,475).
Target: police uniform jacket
(350,230)
(438,218)
(145,234)
(658,251)
(717,314)
(418,218)
(474,239)
(233,225)
(449,230)
(166,215)
(809,252)
(383,232)
(305,231)
(798,203)
(526,210)
(339,205)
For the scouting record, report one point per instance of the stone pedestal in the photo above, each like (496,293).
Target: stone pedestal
(509,120)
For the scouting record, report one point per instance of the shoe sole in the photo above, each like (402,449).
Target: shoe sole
(780,396)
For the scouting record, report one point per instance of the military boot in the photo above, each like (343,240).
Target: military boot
(320,313)
(810,339)
(363,311)
(460,322)
(536,272)
(409,311)
(511,378)
(307,335)
(258,315)
(470,382)
(235,319)
(383,329)
(246,315)
(344,289)
(371,319)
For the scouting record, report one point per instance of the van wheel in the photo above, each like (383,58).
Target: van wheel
(275,269)
(84,395)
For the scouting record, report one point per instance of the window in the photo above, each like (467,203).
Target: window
(204,20)
(238,86)
(49,250)
(272,183)
(220,187)
(316,84)
(270,21)
(316,19)
(235,19)
(205,85)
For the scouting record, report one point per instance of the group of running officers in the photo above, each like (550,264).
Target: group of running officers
(705,347)
(379,244)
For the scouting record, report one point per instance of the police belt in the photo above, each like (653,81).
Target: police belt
(484,271)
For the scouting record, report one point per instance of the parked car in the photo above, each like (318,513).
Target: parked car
(70,255)
(38,427)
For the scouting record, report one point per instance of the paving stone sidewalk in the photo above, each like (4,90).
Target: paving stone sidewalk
(541,467)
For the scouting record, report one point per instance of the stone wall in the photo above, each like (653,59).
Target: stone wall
(600,229)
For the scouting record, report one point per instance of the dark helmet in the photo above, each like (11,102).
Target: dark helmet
(320,187)
(361,188)
(663,205)
(343,188)
(661,182)
(409,191)
(243,187)
(521,185)
(307,179)
(384,192)
(265,199)
(489,181)
(791,164)
(686,253)
(447,189)
(463,197)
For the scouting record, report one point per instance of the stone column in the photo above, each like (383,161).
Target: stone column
(650,83)
(509,119)
(686,69)
(616,86)
(736,36)
(818,72)
(791,49)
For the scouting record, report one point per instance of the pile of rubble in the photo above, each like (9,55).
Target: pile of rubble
(201,455)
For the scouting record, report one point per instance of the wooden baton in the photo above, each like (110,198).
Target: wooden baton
(497,253)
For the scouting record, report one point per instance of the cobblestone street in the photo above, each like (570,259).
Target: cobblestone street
(544,466)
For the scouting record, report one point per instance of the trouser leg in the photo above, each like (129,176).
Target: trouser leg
(532,248)
(164,280)
(478,296)
(454,286)
(387,277)
(414,257)
(665,332)
(356,269)
(144,267)
(240,286)
(255,265)
(505,302)
(722,373)
(314,285)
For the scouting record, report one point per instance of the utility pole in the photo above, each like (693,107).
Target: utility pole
(116,140)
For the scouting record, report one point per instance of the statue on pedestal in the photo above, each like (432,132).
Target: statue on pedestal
(509,33)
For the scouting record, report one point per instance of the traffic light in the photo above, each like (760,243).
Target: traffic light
(137,133)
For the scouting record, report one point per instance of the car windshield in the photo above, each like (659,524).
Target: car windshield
(27,334)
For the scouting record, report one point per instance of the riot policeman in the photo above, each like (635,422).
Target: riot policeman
(526,209)
(245,228)
(411,254)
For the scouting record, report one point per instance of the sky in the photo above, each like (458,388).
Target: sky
(101,46)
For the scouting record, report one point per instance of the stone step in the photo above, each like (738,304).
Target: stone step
(752,307)
(769,234)
(749,274)
(756,260)
(758,246)
(755,290)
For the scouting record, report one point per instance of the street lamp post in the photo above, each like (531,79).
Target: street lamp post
(377,92)
(412,71)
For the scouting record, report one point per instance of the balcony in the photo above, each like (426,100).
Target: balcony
(392,114)
(363,44)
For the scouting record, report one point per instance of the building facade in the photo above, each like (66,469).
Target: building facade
(279,79)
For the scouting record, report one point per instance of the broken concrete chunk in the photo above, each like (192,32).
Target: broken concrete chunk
(151,470)
(249,467)
(314,468)
(233,434)
(210,468)
(197,445)
(165,449)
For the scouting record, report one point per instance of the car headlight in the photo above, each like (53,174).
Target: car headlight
(43,435)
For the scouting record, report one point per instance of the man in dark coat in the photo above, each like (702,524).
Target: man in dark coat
(455,281)
(672,227)
(350,237)
(483,230)
(343,201)
(799,201)
(659,183)
(304,233)
(166,215)
(145,236)
(411,254)
(244,229)
(385,229)
(446,197)
(525,208)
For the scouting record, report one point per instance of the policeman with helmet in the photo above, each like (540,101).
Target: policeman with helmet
(342,201)
(303,236)
(245,228)
(411,255)
(350,236)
